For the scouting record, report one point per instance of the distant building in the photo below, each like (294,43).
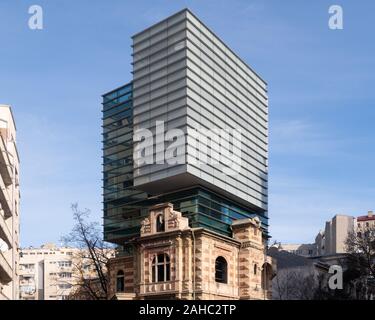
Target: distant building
(304,250)
(332,239)
(297,277)
(298,264)
(363,223)
(9,205)
(46,273)
(52,273)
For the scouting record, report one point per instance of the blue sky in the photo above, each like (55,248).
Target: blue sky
(321,94)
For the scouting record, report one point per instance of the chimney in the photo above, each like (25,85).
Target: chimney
(370,214)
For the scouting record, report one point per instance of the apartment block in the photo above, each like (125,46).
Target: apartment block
(46,273)
(363,223)
(55,273)
(332,240)
(9,205)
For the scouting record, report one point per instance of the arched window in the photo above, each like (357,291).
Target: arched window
(255,268)
(221,270)
(120,281)
(160,226)
(161,268)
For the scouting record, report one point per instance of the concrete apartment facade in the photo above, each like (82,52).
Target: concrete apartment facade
(193,95)
(363,223)
(9,205)
(54,273)
(46,273)
(332,240)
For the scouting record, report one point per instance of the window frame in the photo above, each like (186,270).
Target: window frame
(120,281)
(221,270)
(160,268)
(160,225)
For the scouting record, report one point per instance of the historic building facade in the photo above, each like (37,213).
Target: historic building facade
(170,260)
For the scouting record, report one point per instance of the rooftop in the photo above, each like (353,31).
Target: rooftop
(370,216)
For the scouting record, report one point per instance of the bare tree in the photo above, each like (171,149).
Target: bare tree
(353,288)
(294,284)
(360,245)
(90,262)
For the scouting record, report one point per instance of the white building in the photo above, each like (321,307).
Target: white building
(9,205)
(53,273)
(46,273)
(363,223)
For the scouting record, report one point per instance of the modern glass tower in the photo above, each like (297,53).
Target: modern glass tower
(186,78)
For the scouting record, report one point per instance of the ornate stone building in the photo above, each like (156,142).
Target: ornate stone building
(170,260)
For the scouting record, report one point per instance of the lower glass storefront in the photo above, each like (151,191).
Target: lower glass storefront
(203,208)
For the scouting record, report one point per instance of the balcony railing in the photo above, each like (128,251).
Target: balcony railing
(168,286)
(5,164)
(5,269)
(28,290)
(29,271)
(27,294)
(4,199)
(30,281)
(4,231)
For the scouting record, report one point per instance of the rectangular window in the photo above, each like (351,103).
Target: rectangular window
(65,274)
(65,264)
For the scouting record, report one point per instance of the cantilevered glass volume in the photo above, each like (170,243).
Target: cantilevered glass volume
(185,77)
